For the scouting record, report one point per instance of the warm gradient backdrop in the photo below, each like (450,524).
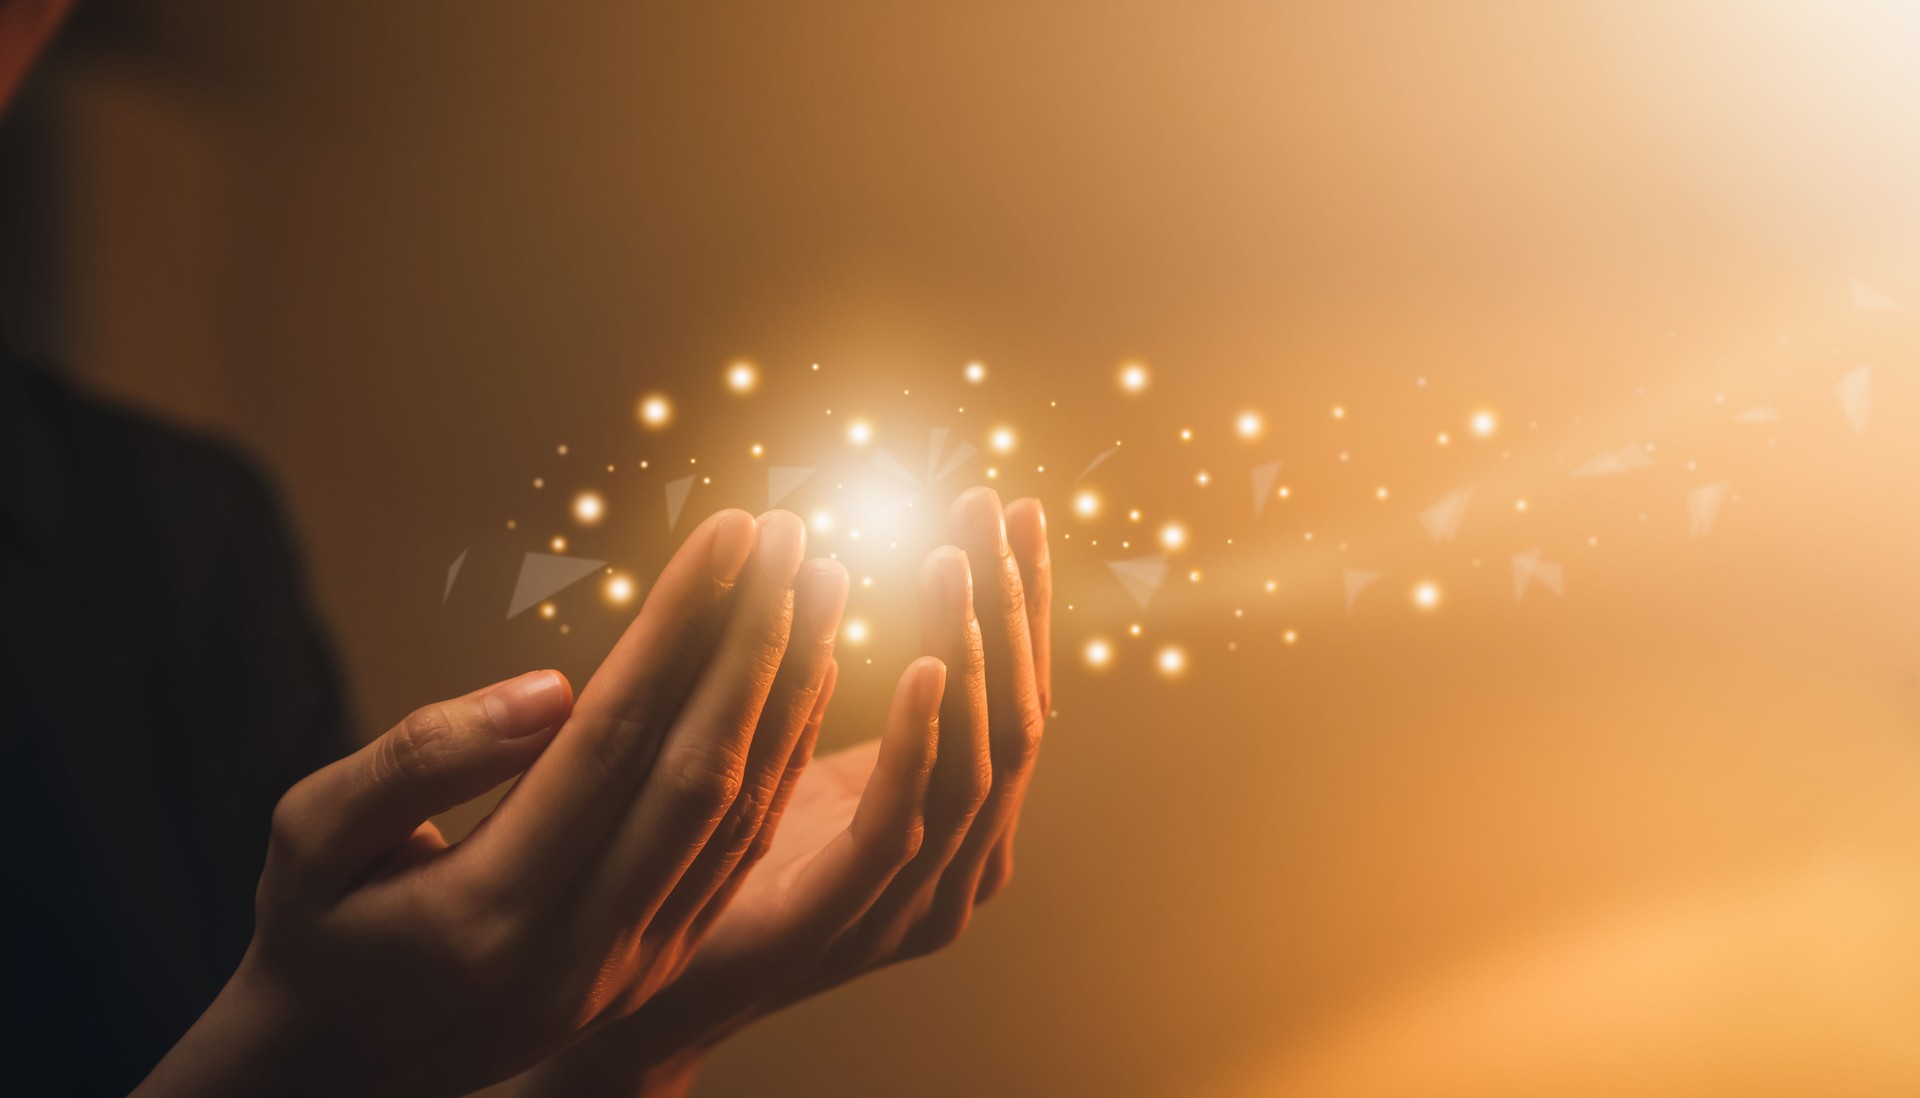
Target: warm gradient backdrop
(1659,836)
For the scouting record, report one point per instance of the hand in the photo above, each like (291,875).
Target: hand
(886,846)
(385,960)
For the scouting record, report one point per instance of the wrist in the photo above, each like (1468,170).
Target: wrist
(246,1042)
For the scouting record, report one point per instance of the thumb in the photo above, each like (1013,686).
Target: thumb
(337,823)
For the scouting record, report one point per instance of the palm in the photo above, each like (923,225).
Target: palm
(775,890)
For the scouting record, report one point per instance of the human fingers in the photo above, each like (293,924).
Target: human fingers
(1027,534)
(347,817)
(560,813)
(820,596)
(703,759)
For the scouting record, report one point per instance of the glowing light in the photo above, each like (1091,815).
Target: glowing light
(1520,505)
(1186,434)
(1133,377)
(1001,439)
(1248,425)
(822,521)
(1201,478)
(860,432)
(1483,423)
(1426,595)
(976,373)
(1173,535)
(1133,515)
(1099,653)
(757,450)
(655,411)
(1290,636)
(588,508)
(1134,629)
(855,631)
(1286,492)
(1086,505)
(1339,411)
(992,473)
(742,377)
(619,590)
(1380,492)
(1171,661)
(1272,586)
(558,544)
(1193,576)
(548,610)
(1442,438)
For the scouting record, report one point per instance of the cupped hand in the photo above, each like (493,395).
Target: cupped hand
(387,961)
(885,847)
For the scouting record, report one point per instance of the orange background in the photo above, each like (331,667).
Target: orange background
(1658,836)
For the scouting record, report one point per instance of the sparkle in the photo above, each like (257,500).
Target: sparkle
(619,590)
(1520,505)
(1339,411)
(1186,434)
(1086,504)
(742,377)
(757,450)
(1133,377)
(1272,586)
(860,432)
(549,611)
(1290,636)
(1285,492)
(558,544)
(1442,438)
(1193,576)
(1201,478)
(588,508)
(1426,595)
(1173,535)
(655,411)
(561,449)
(976,373)
(1134,629)
(855,631)
(1380,492)
(1001,439)
(1483,423)
(1171,660)
(822,521)
(1248,425)
(1133,515)
(1099,653)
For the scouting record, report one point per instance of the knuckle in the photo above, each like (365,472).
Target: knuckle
(418,746)
(1017,751)
(704,781)
(616,743)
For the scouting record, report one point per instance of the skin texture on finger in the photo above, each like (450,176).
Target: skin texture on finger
(1027,534)
(355,814)
(1016,718)
(702,761)
(820,597)
(535,842)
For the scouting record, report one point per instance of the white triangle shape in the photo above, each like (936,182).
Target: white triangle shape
(1095,463)
(453,571)
(1264,478)
(677,491)
(1443,519)
(1356,581)
(543,574)
(783,479)
(1703,506)
(890,464)
(1141,576)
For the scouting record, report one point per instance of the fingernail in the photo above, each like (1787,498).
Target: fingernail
(956,583)
(783,541)
(733,536)
(930,682)
(525,705)
(826,599)
(980,512)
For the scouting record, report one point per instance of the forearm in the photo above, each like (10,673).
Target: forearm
(244,1044)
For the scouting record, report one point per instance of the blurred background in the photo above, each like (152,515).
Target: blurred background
(1654,833)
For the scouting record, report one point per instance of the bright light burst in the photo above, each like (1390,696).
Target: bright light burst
(1483,423)
(742,377)
(1133,378)
(1248,425)
(1173,535)
(619,590)
(1099,654)
(1171,660)
(1086,504)
(854,631)
(860,432)
(976,373)
(822,521)
(1001,440)
(655,411)
(1426,595)
(588,508)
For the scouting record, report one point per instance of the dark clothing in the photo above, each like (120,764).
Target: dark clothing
(164,682)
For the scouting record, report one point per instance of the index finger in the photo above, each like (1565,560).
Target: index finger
(540,835)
